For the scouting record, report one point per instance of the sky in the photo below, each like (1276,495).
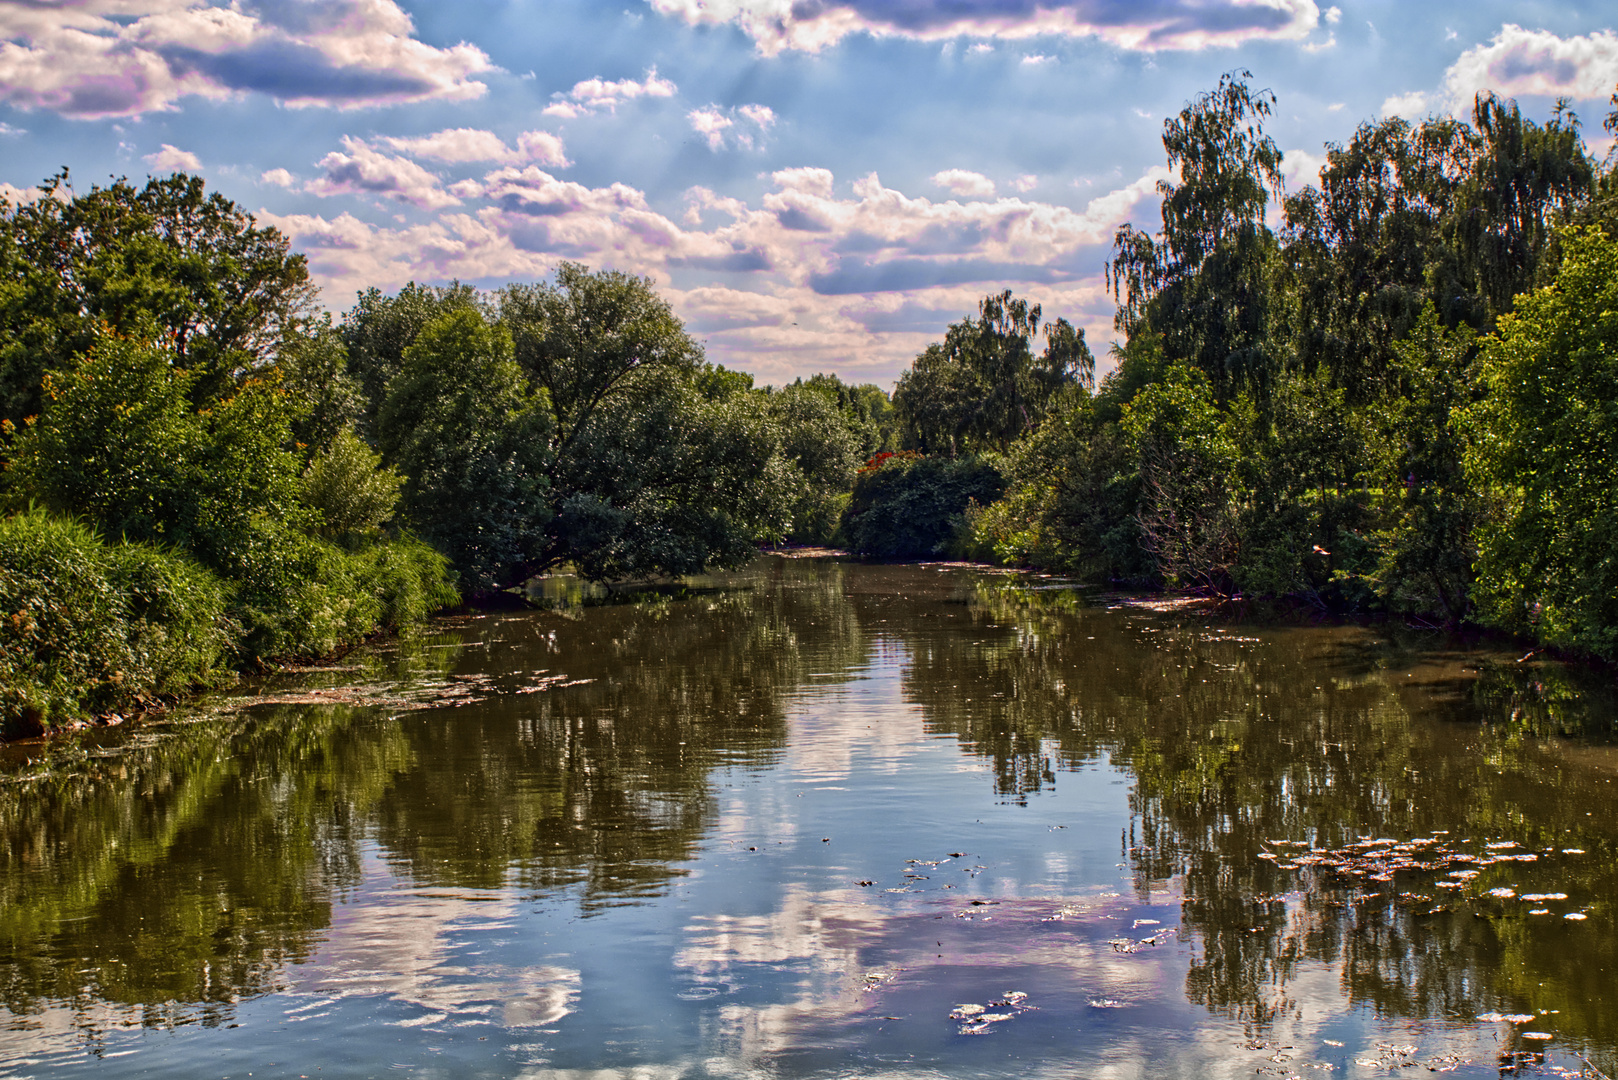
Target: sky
(814,185)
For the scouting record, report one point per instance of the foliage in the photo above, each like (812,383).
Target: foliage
(167,262)
(298,596)
(910,506)
(982,386)
(1430,508)
(1542,439)
(379,328)
(474,445)
(89,627)
(1203,282)
(349,488)
(1187,463)
(120,443)
(823,444)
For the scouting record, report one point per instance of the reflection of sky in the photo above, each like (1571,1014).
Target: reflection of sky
(771,958)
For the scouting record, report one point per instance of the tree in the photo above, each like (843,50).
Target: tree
(378,329)
(119,444)
(982,387)
(167,262)
(1542,442)
(1203,281)
(1187,460)
(474,443)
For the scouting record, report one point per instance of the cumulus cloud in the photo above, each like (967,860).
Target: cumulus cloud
(811,274)
(363,170)
(1522,61)
(776,25)
(460,145)
(1413,105)
(172,159)
(593,95)
(1301,169)
(714,123)
(964,183)
(97,58)
(278,177)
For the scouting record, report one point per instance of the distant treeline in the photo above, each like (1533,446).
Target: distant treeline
(1405,400)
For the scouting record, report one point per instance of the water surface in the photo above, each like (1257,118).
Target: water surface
(825,819)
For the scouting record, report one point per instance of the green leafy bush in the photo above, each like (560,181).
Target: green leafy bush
(88,627)
(1542,443)
(908,506)
(301,596)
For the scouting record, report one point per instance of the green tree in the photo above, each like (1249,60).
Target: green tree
(1203,282)
(167,261)
(1542,442)
(120,444)
(1187,466)
(474,444)
(349,487)
(983,386)
(378,329)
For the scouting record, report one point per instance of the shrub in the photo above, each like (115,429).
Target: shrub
(301,596)
(88,627)
(909,506)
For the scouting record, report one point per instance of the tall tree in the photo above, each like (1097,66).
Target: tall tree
(1202,282)
(167,261)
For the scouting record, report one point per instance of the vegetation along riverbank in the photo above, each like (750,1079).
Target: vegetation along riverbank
(1398,397)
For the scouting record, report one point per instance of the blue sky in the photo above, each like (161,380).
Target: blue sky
(816,185)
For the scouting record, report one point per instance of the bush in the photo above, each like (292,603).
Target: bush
(88,627)
(300,596)
(908,506)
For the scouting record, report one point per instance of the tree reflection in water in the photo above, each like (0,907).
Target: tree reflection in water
(575,756)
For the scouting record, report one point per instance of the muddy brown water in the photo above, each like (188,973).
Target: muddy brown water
(826,819)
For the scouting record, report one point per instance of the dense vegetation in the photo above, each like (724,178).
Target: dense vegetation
(1405,400)
(1402,400)
(200,472)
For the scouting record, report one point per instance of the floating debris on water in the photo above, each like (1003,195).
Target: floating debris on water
(1505,1018)
(978,1019)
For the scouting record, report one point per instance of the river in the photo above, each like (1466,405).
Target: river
(820,819)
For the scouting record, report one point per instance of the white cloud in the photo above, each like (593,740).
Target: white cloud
(861,280)
(7,129)
(278,177)
(1411,106)
(762,115)
(1301,169)
(172,159)
(1025,183)
(17,196)
(1334,15)
(713,123)
(1522,61)
(1034,59)
(459,145)
(777,25)
(710,123)
(964,183)
(362,170)
(593,95)
(96,58)
(980,48)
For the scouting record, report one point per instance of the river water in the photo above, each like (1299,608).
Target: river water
(827,819)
